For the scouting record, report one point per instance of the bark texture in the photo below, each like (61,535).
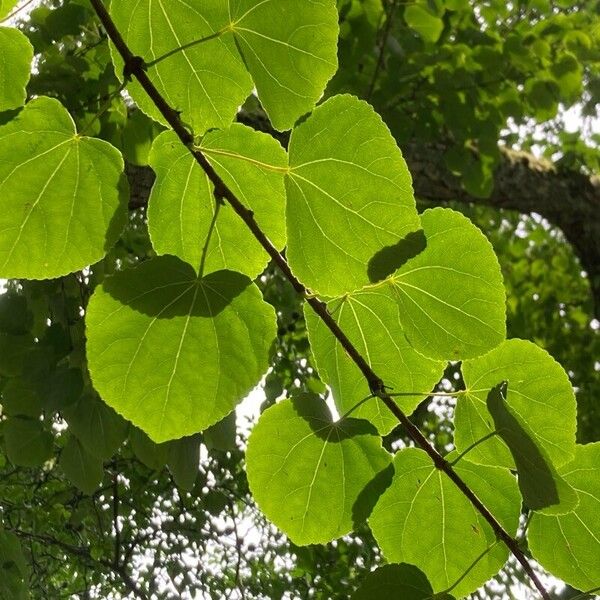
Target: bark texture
(523,183)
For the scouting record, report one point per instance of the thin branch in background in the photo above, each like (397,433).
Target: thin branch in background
(15,12)
(389,20)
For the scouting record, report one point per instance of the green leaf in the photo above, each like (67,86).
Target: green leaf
(13,353)
(451,295)
(182,205)
(184,460)
(154,456)
(539,394)
(26,441)
(20,398)
(83,469)
(221,435)
(207,82)
(349,197)
(371,321)
(15,316)
(541,487)
(403,581)
(423,518)
(15,67)
(424,22)
(290,49)
(569,545)
(315,479)
(138,134)
(63,198)
(6,7)
(185,349)
(14,570)
(98,427)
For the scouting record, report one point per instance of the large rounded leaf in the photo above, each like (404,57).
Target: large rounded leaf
(371,321)
(350,198)
(15,67)
(290,49)
(313,478)
(63,197)
(181,212)
(207,48)
(425,520)
(451,294)
(207,82)
(569,545)
(539,394)
(173,353)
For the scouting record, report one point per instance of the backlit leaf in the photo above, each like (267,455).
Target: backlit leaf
(350,197)
(371,320)
(569,545)
(423,518)
(182,205)
(313,478)
(290,49)
(539,394)
(6,6)
(16,54)
(63,198)
(173,353)
(207,82)
(451,294)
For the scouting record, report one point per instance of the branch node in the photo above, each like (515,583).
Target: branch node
(133,65)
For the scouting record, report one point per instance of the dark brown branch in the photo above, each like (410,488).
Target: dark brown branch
(134,66)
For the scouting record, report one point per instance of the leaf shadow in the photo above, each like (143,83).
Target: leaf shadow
(165,287)
(389,259)
(536,477)
(369,496)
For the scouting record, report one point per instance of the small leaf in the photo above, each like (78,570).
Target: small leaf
(371,321)
(173,353)
(98,427)
(349,196)
(569,545)
(17,54)
(26,441)
(404,582)
(424,22)
(153,455)
(540,485)
(83,469)
(451,295)
(313,478)
(422,518)
(20,398)
(290,49)
(63,198)
(182,205)
(221,435)
(539,394)
(184,460)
